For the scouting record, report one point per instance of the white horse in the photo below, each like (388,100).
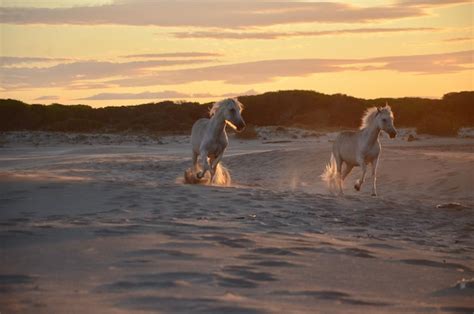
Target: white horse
(209,138)
(359,148)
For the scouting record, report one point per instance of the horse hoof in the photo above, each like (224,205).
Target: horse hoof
(357,187)
(199,175)
(374,194)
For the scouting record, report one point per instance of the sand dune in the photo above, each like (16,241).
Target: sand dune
(109,227)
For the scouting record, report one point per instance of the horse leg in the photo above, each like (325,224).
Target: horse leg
(374,176)
(359,182)
(339,175)
(214,164)
(346,171)
(212,169)
(195,160)
(205,164)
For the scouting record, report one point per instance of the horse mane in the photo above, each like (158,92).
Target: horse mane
(218,105)
(371,113)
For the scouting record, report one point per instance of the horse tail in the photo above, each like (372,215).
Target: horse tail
(222,175)
(330,174)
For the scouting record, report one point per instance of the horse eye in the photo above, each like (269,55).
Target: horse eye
(232,110)
(384,120)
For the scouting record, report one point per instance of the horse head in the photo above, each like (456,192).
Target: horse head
(231,110)
(385,120)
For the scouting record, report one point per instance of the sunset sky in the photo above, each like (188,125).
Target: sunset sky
(106,52)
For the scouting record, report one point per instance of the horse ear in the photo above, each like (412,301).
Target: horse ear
(386,104)
(379,109)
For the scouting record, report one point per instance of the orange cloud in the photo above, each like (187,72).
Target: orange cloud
(82,75)
(267,70)
(67,73)
(168,94)
(47,97)
(174,55)
(458,39)
(7,60)
(222,14)
(277,35)
(430,3)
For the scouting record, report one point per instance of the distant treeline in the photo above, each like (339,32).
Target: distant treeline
(307,109)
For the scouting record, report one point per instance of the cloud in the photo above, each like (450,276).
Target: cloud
(221,14)
(429,64)
(268,70)
(277,35)
(457,39)
(88,85)
(174,55)
(48,97)
(430,3)
(68,73)
(7,60)
(246,93)
(54,4)
(143,95)
(167,94)
(97,74)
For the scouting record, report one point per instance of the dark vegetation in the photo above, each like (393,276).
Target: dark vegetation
(249,133)
(297,108)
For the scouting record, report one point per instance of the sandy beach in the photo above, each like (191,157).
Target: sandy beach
(104,224)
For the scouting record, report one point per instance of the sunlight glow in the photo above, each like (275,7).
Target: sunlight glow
(284,47)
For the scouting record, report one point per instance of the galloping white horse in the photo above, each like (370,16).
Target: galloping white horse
(359,148)
(209,138)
